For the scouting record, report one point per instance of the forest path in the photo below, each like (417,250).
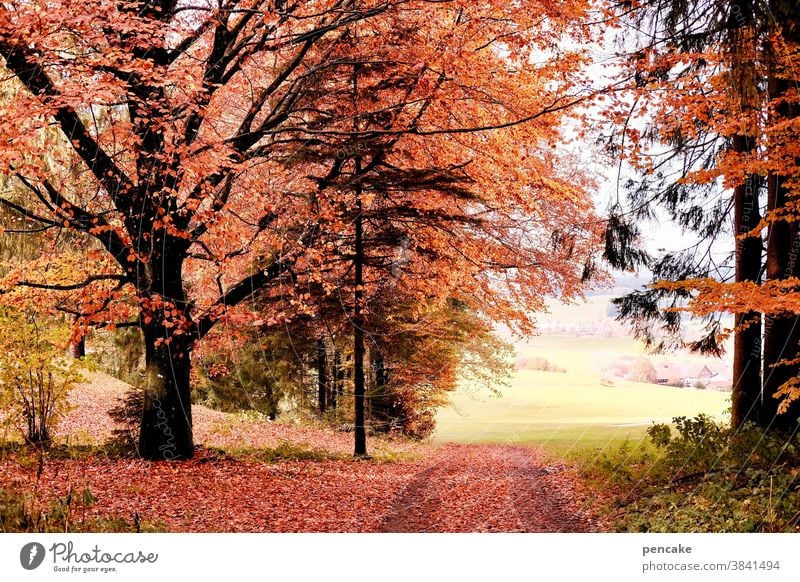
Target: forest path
(488,488)
(240,480)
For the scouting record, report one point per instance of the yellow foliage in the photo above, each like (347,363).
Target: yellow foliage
(35,375)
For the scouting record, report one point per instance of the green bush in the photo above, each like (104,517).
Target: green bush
(701,476)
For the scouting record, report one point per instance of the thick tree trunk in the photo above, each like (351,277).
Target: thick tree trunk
(746,401)
(781,334)
(322,375)
(166,430)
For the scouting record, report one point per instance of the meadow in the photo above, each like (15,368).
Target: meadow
(574,410)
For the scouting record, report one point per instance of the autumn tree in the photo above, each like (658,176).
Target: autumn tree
(425,217)
(423,355)
(642,370)
(674,136)
(210,134)
(711,74)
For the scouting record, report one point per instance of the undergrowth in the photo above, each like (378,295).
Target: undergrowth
(701,476)
(22,512)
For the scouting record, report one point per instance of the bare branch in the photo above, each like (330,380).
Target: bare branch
(74,286)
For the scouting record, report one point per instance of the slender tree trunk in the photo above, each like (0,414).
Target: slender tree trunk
(322,375)
(337,390)
(358,306)
(358,335)
(746,390)
(380,399)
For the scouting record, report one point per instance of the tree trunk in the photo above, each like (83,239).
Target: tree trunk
(380,399)
(358,303)
(781,334)
(337,390)
(358,337)
(166,430)
(746,401)
(77,348)
(746,389)
(322,375)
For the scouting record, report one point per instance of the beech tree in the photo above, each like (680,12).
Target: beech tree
(220,139)
(714,77)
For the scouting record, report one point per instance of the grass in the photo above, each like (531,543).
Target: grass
(283,452)
(572,411)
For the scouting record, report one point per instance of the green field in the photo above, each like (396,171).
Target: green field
(572,410)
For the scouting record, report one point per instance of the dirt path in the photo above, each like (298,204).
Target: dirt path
(485,488)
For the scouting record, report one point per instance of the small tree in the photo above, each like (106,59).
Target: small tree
(642,370)
(35,376)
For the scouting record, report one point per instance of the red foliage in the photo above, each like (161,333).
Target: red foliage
(477,488)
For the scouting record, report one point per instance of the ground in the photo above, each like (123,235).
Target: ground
(253,475)
(477,488)
(494,464)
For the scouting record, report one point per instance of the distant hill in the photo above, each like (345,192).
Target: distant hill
(623,283)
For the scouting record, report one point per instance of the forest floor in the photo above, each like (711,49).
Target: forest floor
(252,475)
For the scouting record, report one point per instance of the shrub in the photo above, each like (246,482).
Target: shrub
(643,370)
(128,413)
(539,364)
(20,512)
(701,476)
(35,375)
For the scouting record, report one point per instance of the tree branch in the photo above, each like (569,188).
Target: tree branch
(74,286)
(36,81)
(248,286)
